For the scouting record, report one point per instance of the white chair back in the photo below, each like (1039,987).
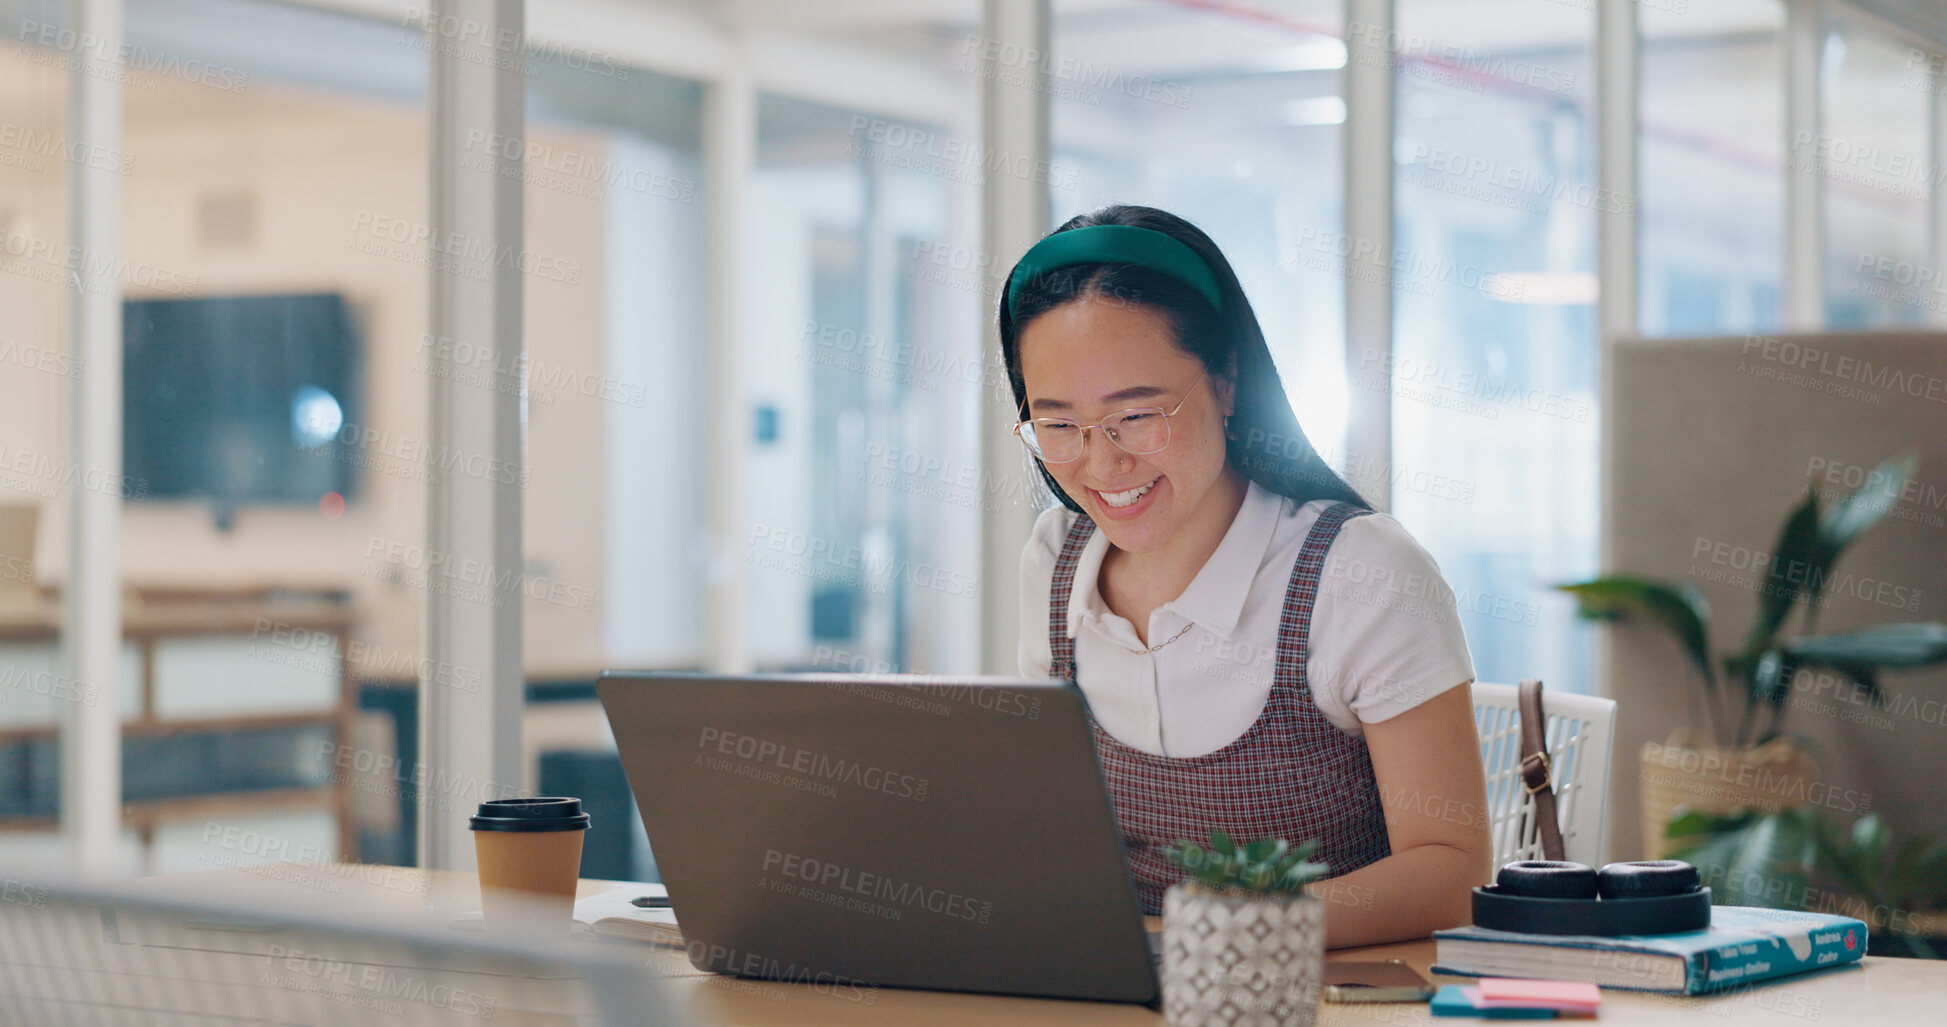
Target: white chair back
(1579,732)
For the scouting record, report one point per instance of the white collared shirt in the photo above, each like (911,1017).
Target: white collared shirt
(1385,633)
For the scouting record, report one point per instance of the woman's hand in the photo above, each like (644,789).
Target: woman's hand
(1428,763)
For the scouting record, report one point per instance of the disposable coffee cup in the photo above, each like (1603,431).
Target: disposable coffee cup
(529,851)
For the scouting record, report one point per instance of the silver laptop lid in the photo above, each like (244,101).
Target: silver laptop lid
(887,830)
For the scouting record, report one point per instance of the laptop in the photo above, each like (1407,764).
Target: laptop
(885,830)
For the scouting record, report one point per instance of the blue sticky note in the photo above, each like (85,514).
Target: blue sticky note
(1451,1001)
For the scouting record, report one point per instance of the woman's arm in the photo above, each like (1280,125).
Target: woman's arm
(1428,763)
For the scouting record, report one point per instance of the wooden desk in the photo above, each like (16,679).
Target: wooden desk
(1890,991)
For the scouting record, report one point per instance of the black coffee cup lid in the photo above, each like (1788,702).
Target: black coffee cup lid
(540,814)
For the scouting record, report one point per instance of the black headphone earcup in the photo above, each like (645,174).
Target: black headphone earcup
(1547,879)
(1646,878)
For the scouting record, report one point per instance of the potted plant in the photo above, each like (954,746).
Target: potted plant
(1734,754)
(1799,859)
(1243,944)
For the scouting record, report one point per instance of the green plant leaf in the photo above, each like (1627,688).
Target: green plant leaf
(1851,516)
(1679,609)
(1794,560)
(1902,646)
(1264,850)
(1221,844)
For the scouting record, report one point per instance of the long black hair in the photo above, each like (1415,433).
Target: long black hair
(1264,441)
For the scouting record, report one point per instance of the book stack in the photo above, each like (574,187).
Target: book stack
(1741,945)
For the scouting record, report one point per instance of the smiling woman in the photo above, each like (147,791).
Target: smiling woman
(1262,653)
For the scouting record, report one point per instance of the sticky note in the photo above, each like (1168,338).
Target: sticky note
(1551,993)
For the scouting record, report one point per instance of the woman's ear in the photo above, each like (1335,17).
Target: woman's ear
(1226,394)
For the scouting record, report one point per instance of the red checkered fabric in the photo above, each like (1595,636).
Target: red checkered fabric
(1291,775)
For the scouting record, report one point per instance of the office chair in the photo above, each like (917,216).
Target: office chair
(1579,733)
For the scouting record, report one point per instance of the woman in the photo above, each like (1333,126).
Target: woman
(1261,652)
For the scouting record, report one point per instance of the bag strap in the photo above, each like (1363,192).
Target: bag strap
(1535,770)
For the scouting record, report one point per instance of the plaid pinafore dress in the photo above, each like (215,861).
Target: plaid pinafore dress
(1291,775)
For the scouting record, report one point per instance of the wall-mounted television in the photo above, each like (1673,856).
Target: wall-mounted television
(241,400)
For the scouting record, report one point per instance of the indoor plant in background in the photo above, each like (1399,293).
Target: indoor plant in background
(1243,944)
(1799,859)
(1733,755)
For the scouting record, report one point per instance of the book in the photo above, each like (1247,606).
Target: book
(1741,945)
(614,914)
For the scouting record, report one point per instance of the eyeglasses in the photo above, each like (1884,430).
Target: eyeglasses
(1138,431)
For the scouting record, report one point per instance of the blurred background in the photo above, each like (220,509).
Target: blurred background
(273,161)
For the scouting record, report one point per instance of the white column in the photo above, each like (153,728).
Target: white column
(473,738)
(729,156)
(1805,173)
(1937,199)
(1617,62)
(1014,215)
(1369,91)
(91,635)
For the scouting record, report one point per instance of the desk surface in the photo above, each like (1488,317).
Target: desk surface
(1895,991)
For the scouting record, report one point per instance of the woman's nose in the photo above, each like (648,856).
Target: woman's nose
(1104,456)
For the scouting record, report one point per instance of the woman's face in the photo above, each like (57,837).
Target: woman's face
(1091,357)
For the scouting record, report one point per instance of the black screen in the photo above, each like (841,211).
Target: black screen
(243,400)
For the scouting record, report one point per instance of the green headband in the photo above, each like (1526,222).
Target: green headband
(1116,244)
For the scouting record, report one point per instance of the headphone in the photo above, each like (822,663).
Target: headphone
(1544,896)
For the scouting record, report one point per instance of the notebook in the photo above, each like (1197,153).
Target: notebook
(1741,945)
(615,914)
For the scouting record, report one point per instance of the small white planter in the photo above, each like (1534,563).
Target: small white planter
(1241,960)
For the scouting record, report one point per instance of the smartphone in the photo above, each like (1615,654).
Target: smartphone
(1390,981)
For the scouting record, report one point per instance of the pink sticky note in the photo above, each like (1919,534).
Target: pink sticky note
(1555,993)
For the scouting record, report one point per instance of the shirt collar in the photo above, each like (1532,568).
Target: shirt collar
(1215,598)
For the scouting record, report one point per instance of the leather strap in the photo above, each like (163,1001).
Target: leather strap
(1535,770)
